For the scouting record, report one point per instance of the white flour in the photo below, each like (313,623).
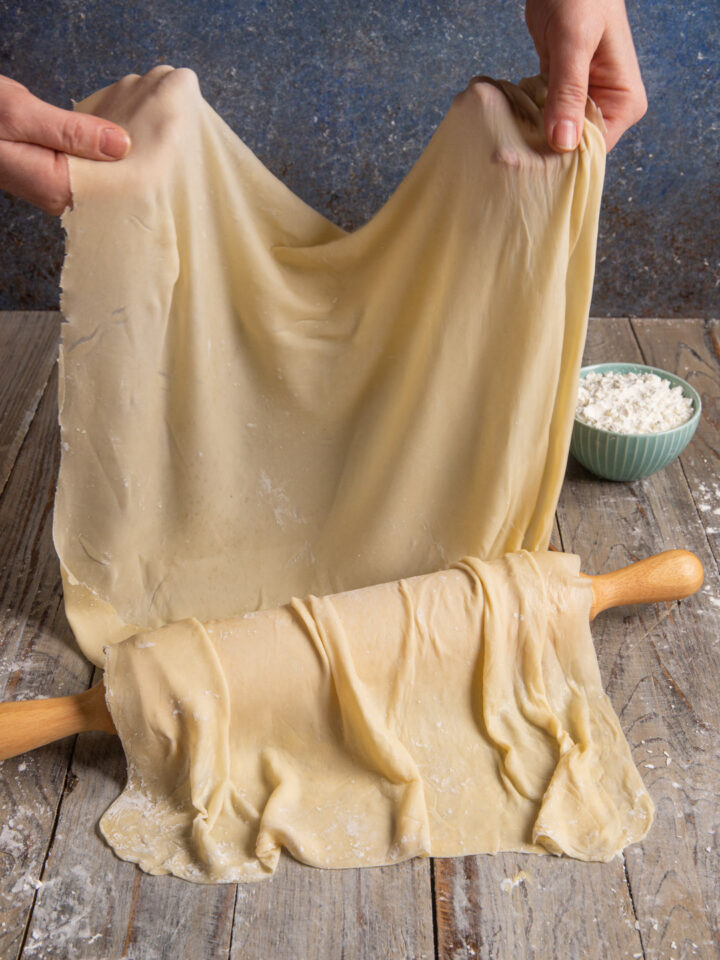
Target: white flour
(631,403)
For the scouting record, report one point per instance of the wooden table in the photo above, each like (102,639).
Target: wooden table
(63,893)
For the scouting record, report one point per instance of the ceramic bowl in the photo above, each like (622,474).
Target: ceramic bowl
(630,456)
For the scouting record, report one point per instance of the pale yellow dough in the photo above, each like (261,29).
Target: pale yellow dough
(454,713)
(256,405)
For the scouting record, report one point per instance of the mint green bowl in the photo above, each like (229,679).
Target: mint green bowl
(630,456)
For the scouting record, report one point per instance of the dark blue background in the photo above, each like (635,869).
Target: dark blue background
(338,99)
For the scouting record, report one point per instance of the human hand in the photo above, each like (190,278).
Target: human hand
(35,138)
(585,47)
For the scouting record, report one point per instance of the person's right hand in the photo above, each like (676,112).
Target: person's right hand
(585,47)
(35,138)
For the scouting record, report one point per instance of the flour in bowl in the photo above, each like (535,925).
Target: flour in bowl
(631,403)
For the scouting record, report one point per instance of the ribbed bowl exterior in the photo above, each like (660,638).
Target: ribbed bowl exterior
(620,456)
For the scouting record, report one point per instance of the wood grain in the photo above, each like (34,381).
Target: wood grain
(355,914)
(527,905)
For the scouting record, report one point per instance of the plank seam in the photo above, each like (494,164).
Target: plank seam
(636,338)
(436,930)
(48,507)
(21,436)
(48,848)
(632,901)
(628,882)
(232,922)
(709,542)
(35,406)
(629,324)
(711,549)
(131,913)
(559,530)
(34,316)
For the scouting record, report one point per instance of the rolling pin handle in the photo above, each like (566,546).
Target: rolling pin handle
(27,724)
(671,575)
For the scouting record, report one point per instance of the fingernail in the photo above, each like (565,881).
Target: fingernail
(114,143)
(564,135)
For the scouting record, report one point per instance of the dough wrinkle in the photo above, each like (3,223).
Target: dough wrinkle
(497,735)
(366,731)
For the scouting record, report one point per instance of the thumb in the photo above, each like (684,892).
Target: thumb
(31,120)
(568,72)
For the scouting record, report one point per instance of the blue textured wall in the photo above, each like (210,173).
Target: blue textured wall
(338,98)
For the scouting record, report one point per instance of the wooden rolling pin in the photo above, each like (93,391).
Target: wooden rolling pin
(27,724)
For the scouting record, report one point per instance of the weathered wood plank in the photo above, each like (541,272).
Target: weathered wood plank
(689,648)
(28,348)
(659,665)
(530,906)
(691,349)
(354,914)
(37,658)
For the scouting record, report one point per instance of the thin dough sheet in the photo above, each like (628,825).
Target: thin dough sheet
(454,713)
(257,405)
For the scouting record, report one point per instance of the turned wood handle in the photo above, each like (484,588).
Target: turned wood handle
(671,575)
(27,724)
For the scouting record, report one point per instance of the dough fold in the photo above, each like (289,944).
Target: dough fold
(257,405)
(447,714)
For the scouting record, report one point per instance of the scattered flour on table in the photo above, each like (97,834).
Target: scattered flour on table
(631,403)
(508,883)
(12,840)
(707,497)
(63,920)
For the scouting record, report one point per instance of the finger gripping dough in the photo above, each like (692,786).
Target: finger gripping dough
(448,714)
(257,405)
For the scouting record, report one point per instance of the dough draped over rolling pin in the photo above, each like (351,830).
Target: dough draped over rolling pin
(454,713)
(257,405)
